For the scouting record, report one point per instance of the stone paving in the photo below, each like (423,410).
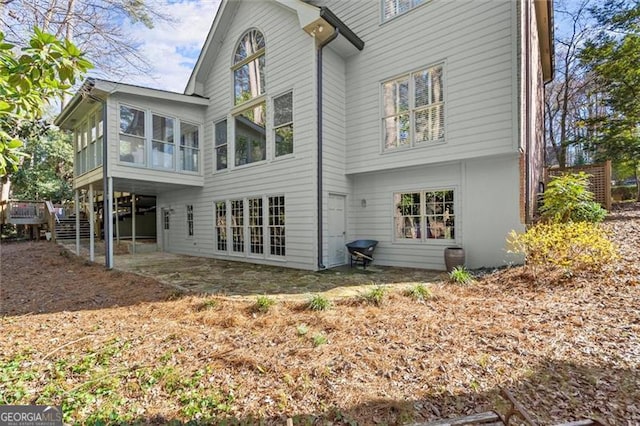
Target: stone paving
(241,279)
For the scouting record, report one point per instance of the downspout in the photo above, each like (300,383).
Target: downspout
(106,197)
(527,112)
(321,46)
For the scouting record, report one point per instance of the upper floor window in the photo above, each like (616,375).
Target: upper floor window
(248,67)
(391,8)
(189,147)
(162,142)
(250,135)
(413,108)
(283,124)
(221,144)
(132,135)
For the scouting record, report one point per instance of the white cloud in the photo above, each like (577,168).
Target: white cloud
(172,48)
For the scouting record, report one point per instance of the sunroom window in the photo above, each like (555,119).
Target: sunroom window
(189,147)
(162,144)
(132,135)
(413,109)
(425,215)
(248,67)
(250,135)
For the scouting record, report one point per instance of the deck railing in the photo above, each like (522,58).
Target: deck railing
(26,212)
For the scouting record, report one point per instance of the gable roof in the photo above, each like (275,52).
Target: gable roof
(312,19)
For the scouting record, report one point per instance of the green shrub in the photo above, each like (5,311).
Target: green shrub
(572,247)
(375,296)
(419,292)
(319,339)
(460,275)
(319,302)
(302,329)
(568,199)
(263,303)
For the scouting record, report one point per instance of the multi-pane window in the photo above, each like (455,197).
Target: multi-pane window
(256,242)
(221,225)
(93,134)
(162,142)
(250,135)
(391,8)
(166,217)
(425,215)
(99,139)
(221,145)
(190,220)
(132,135)
(88,143)
(248,67)
(237,225)
(189,147)
(283,124)
(413,108)
(276,226)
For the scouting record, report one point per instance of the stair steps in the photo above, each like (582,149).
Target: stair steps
(66,229)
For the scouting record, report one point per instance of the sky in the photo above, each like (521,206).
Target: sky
(172,48)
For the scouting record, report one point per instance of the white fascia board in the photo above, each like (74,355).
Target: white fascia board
(307,13)
(110,87)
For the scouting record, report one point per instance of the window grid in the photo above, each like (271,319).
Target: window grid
(277,244)
(165,219)
(425,215)
(189,147)
(248,67)
(392,8)
(250,135)
(256,231)
(221,144)
(190,220)
(221,225)
(132,135)
(162,138)
(237,225)
(283,124)
(413,108)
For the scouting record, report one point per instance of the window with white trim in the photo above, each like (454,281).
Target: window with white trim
(391,8)
(250,135)
(162,142)
(256,234)
(277,244)
(413,109)
(248,67)
(190,220)
(283,124)
(221,225)
(189,147)
(237,226)
(425,215)
(221,144)
(132,135)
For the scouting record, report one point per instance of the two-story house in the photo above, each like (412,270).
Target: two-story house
(305,125)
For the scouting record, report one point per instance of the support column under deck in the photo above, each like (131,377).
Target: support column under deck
(91,225)
(76,199)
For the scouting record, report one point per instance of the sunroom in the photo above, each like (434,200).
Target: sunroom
(131,144)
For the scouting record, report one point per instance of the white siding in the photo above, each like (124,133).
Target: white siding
(290,65)
(486,197)
(474,39)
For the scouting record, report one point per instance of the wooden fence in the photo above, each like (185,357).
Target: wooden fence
(599,179)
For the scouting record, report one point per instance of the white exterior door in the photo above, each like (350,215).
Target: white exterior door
(166,228)
(337,230)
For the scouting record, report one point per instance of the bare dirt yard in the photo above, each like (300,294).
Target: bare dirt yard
(117,348)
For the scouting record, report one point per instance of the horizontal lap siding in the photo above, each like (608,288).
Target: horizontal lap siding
(475,41)
(290,59)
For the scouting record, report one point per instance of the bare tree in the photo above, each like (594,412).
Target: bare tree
(95,26)
(569,98)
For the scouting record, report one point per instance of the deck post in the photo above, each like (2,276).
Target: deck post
(109,219)
(76,199)
(117,220)
(91,225)
(133,222)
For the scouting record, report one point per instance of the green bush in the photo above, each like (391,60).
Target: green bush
(568,199)
(571,247)
(419,292)
(319,302)
(375,296)
(263,304)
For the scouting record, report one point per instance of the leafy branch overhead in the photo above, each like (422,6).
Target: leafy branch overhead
(29,79)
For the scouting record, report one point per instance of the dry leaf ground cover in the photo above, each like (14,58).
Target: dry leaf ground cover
(566,349)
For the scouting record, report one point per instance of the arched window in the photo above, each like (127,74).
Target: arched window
(248,67)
